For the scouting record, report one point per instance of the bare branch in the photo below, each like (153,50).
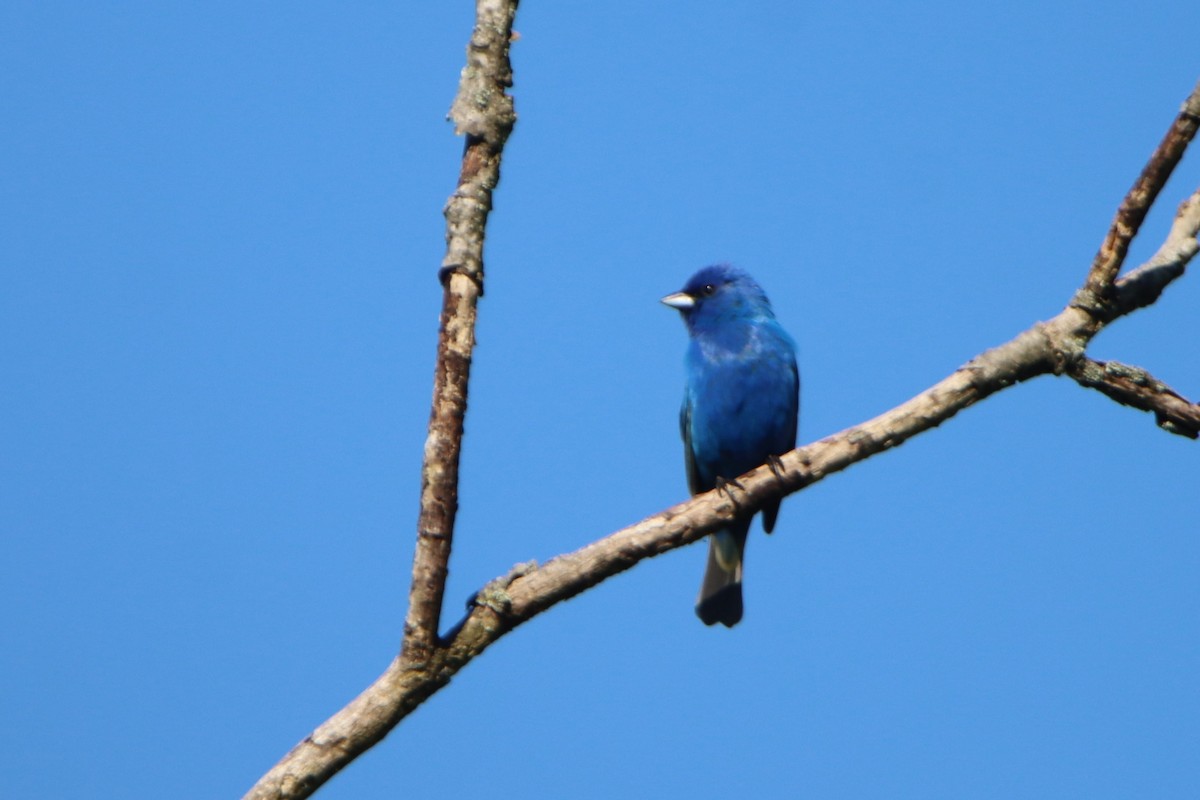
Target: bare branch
(1137,388)
(1142,286)
(484,112)
(1034,352)
(1137,203)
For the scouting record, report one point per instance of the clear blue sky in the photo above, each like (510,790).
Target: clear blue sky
(219,231)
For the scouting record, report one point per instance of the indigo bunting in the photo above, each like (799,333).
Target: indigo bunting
(740,405)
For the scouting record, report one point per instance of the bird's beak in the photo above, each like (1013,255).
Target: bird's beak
(680,300)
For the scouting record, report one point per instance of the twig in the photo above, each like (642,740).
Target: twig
(1137,388)
(1142,286)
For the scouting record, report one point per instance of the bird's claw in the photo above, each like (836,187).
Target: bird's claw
(776,465)
(723,484)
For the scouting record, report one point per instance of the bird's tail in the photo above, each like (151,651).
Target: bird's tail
(720,597)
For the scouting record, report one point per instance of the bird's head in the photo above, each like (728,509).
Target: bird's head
(719,293)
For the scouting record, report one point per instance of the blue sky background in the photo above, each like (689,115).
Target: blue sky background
(220,226)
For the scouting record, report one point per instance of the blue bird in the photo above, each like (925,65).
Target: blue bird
(740,406)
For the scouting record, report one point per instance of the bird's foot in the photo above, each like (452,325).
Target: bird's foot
(723,486)
(776,465)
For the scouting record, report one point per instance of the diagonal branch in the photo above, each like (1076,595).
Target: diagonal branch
(1053,347)
(1134,387)
(1142,286)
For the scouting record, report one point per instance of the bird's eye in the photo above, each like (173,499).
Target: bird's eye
(708,290)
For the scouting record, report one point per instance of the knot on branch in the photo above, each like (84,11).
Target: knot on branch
(460,269)
(484,112)
(495,595)
(1190,431)
(482,107)
(1064,349)
(1098,302)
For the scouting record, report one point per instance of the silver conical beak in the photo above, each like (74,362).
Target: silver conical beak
(680,300)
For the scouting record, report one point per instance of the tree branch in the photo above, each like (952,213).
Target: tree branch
(484,112)
(1142,286)
(1134,387)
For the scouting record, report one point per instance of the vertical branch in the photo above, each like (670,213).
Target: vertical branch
(483,111)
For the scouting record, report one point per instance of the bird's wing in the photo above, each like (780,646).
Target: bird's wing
(689,455)
(770,511)
(795,416)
